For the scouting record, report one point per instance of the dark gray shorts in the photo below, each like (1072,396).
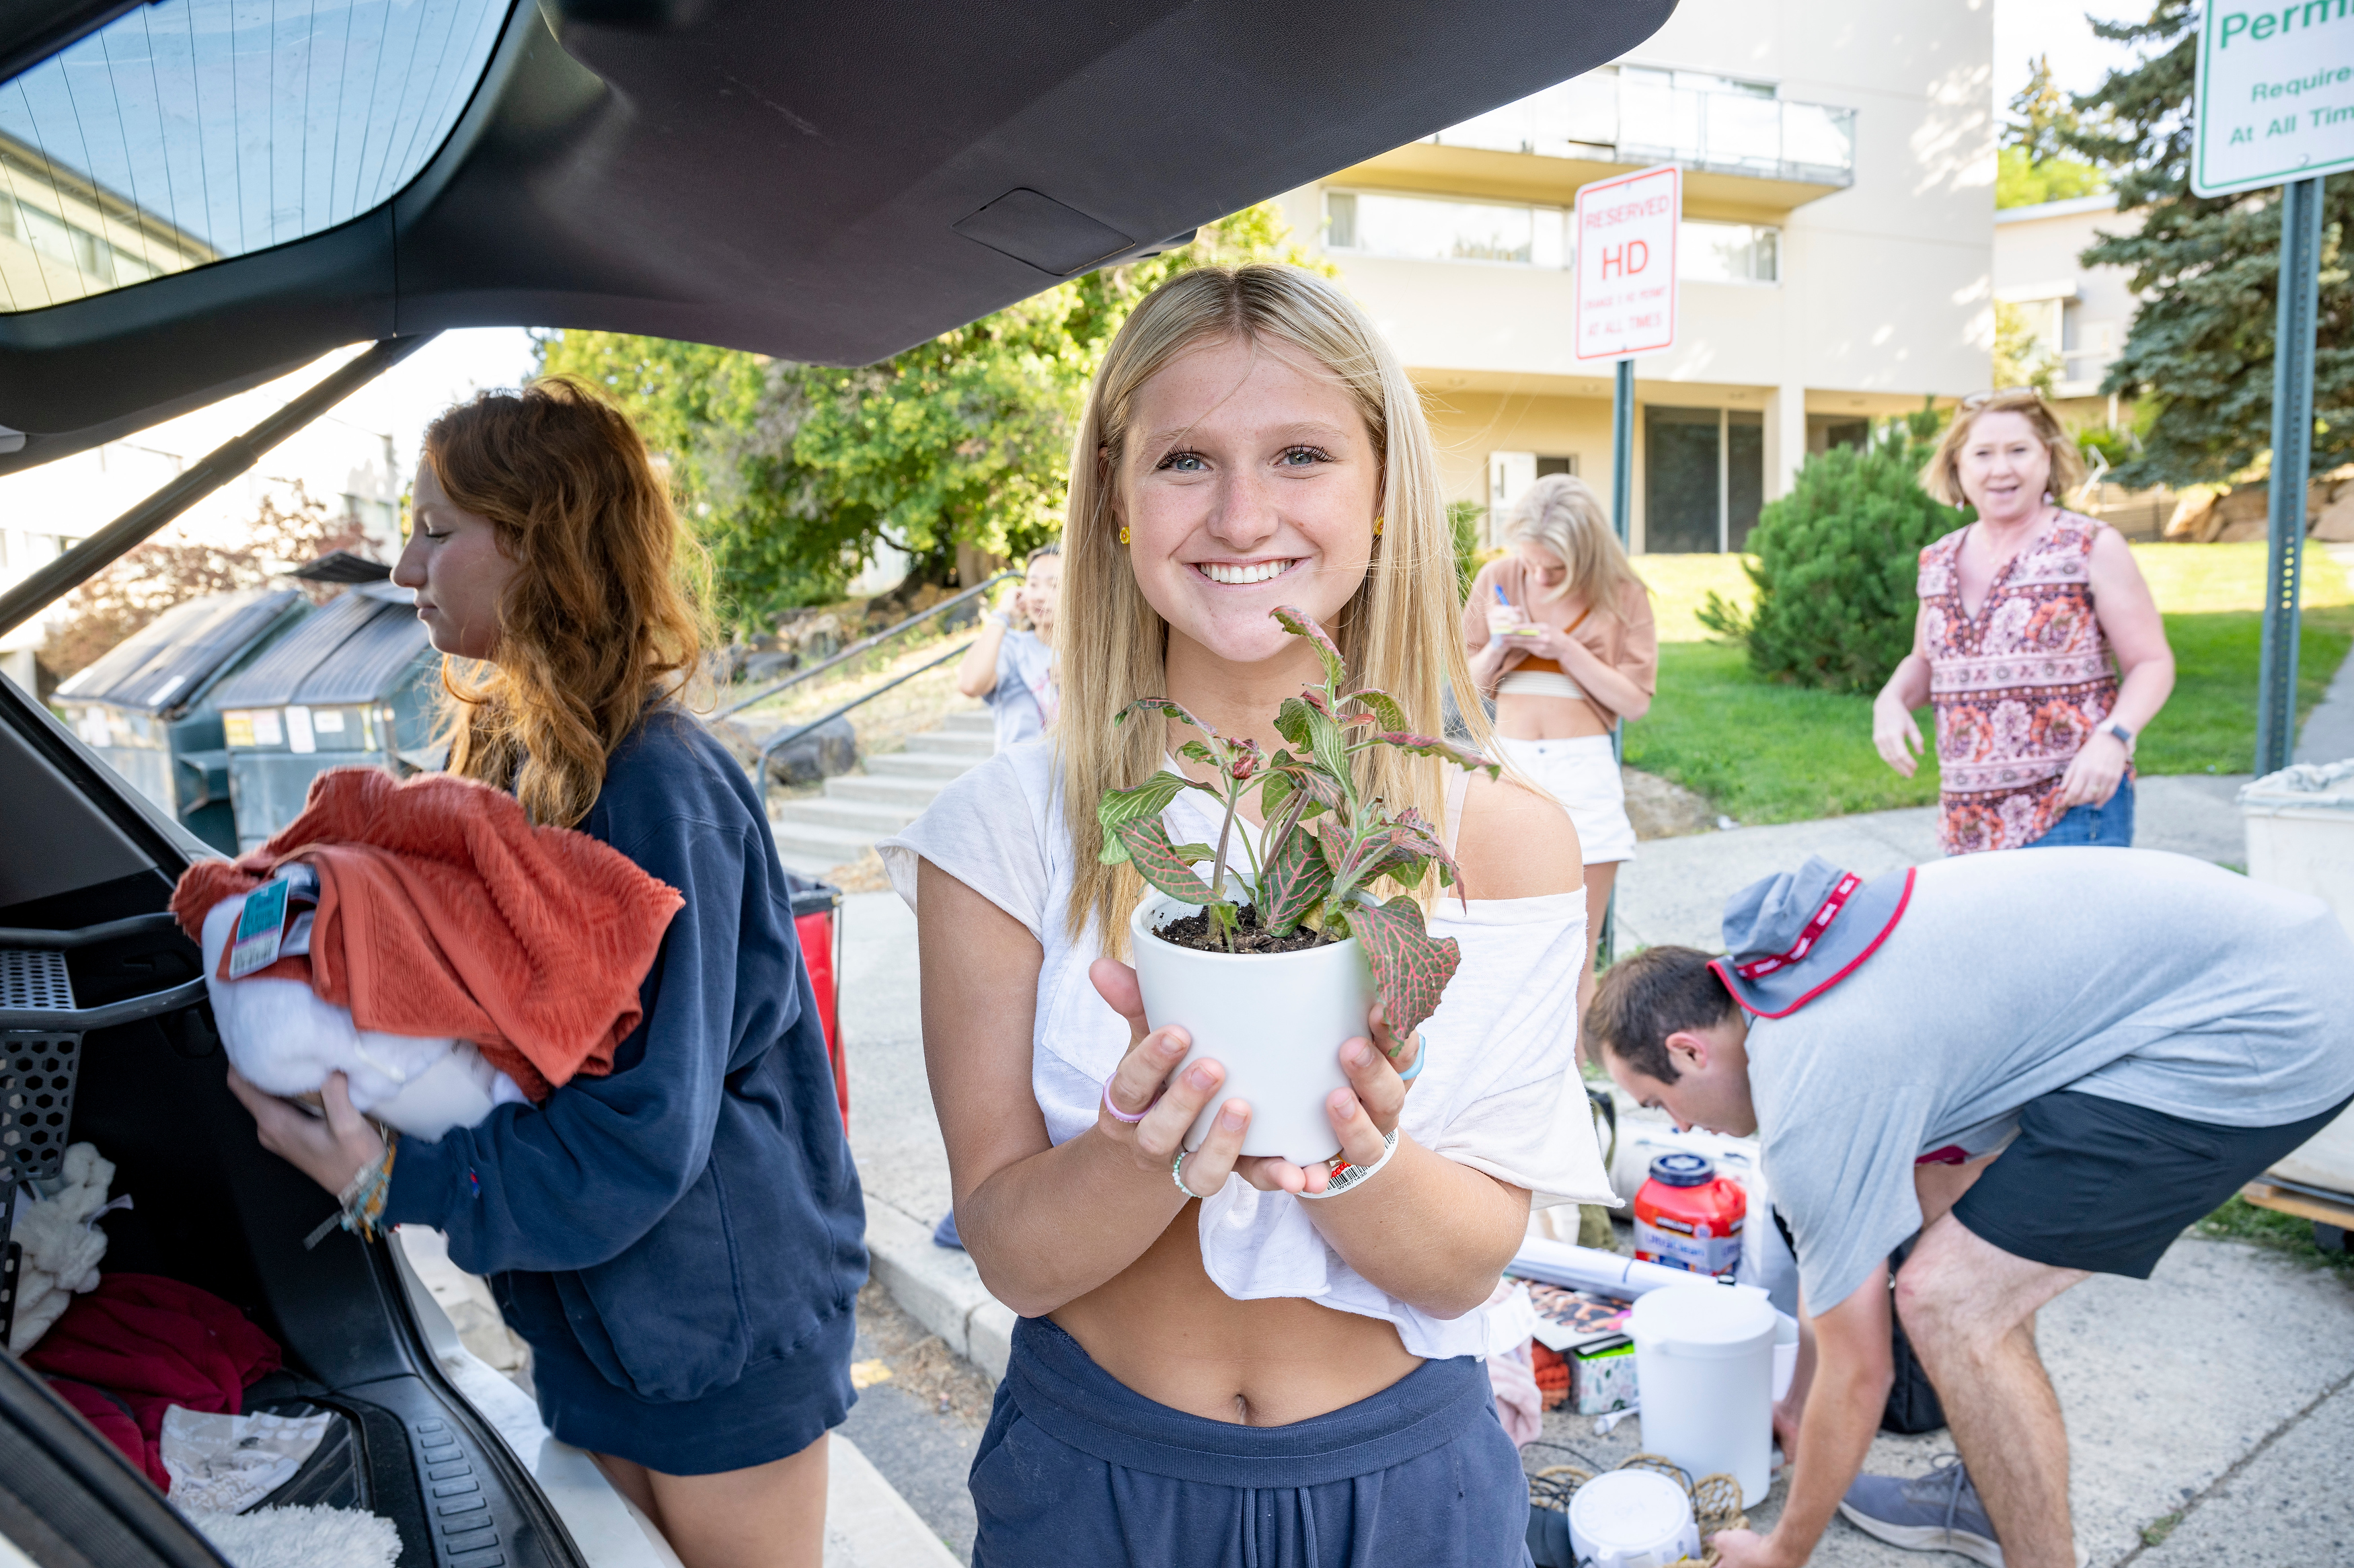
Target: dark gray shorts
(2102,1185)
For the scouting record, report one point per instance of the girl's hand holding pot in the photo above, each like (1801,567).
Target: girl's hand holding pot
(1362,1115)
(1164,1106)
(1366,1113)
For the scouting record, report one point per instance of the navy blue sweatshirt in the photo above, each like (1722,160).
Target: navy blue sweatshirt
(696,1212)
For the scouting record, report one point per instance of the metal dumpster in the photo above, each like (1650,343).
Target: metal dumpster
(148,706)
(353,685)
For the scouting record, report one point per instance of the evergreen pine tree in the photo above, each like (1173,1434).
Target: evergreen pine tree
(2035,163)
(2201,346)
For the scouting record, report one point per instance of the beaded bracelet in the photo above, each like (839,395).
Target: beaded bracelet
(361,1204)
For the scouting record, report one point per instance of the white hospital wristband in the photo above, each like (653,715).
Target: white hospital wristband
(1356,1176)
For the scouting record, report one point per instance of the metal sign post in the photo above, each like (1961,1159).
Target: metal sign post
(1626,230)
(2270,109)
(2293,338)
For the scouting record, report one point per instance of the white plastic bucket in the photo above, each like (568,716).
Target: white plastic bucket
(1705,1360)
(1274,1020)
(2300,825)
(1632,1518)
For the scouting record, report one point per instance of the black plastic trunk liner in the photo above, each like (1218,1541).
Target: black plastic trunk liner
(41,1033)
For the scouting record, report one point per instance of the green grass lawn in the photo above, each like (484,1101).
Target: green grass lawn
(1769,753)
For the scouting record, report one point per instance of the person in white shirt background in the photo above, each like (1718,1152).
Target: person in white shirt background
(1011,665)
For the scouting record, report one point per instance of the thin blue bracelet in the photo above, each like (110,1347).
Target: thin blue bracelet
(1421,1057)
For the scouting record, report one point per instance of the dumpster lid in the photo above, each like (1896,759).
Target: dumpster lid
(354,650)
(165,665)
(2306,787)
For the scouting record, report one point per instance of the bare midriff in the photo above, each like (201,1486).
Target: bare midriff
(1163,1330)
(1525,715)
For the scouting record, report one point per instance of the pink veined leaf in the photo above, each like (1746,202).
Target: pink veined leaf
(1148,799)
(1165,865)
(1334,841)
(1293,881)
(1300,625)
(1411,968)
(1385,710)
(1431,746)
(1168,710)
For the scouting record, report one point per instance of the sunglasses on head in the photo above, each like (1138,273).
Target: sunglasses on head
(1980,399)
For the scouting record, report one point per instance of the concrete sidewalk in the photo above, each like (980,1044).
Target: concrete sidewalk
(2209,1413)
(1674,890)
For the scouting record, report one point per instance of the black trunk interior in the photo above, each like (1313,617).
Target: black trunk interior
(215,1209)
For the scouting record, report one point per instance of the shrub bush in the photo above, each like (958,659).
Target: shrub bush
(1837,562)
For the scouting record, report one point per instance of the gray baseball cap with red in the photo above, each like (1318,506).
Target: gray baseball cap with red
(1791,936)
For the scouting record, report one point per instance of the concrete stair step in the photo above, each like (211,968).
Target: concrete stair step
(954,743)
(817,844)
(972,721)
(934,765)
(878,818)
(913,793)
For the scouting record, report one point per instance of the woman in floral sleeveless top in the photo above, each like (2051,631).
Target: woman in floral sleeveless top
(2038,643)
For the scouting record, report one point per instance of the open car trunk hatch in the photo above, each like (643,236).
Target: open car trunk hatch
(826,183)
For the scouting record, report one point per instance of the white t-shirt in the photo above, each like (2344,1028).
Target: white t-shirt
(1023,700)
(1501,1093)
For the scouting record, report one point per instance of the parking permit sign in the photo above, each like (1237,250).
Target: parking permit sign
(2275,94)
(1625,230)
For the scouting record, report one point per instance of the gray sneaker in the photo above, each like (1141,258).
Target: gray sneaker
(1939,1511)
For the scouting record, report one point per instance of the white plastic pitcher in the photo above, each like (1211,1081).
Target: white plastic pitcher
(1704,1359)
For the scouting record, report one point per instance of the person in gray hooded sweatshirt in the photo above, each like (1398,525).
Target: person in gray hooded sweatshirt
(2047,1065)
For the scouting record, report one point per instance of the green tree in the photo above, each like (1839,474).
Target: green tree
(794,473)
(2037,162)
(1836,564)
(967,439)
(2020,357)
(2200,346)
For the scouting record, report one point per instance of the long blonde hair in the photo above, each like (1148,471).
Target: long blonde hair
(1562,512)
(1398,631)
(602,616)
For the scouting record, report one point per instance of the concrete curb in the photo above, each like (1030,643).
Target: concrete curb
(867,1524)
(939,1287)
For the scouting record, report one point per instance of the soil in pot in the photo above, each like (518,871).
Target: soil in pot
(1195,931)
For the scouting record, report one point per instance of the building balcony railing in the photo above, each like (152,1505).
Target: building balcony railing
(1632,116)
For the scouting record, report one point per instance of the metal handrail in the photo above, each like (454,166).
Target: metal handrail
(786,737)
(861,646)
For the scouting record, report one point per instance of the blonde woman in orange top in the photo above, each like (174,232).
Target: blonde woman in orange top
(1560,633)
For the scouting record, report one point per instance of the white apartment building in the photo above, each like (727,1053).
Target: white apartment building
(353,470)
(2079,314)
(1836,257)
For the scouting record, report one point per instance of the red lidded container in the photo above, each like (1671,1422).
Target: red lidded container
(1687,1216)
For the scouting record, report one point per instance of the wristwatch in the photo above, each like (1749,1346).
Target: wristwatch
(2125,736)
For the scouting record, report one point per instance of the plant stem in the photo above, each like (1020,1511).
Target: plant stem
(1218,863)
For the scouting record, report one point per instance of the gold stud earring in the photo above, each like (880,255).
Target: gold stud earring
(1123,533)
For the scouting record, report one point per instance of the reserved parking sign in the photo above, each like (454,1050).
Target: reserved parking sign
(2275,95)
(1626,238)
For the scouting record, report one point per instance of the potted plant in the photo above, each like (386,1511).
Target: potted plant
(1271,964)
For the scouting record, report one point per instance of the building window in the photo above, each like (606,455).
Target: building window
(1444,229)
(1827,432)
(1703,479)
(1728,253)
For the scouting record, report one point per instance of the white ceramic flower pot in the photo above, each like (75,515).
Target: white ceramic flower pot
(1274,1020)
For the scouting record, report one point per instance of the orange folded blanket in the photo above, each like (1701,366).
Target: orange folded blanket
(443,911)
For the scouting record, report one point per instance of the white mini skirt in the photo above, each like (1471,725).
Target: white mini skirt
(1584,777)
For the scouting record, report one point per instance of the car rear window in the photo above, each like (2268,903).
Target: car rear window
(192,130)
